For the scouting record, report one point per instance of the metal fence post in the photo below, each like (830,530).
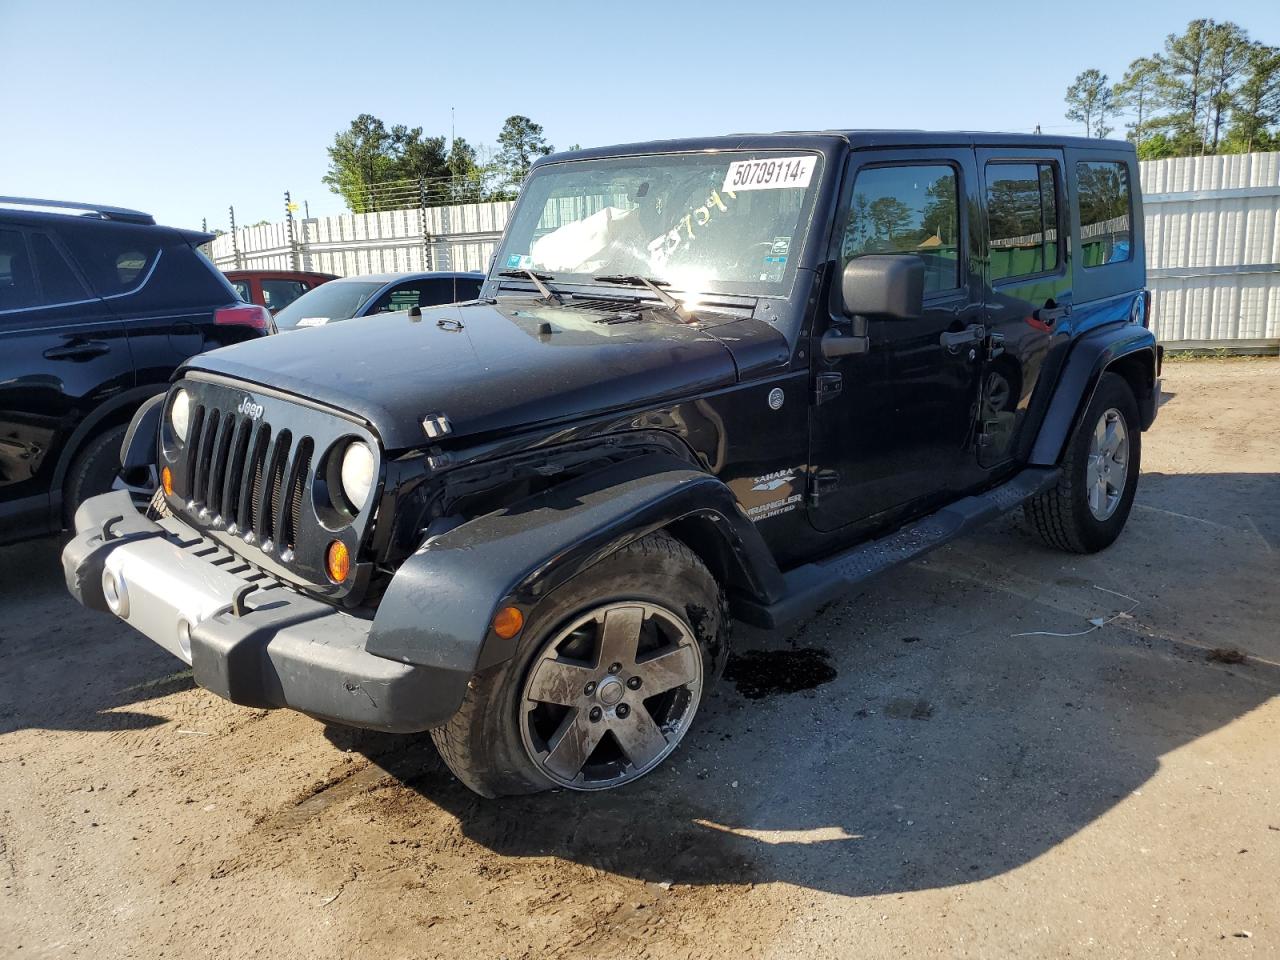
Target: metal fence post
(235,243)
(422,220)
(288,221)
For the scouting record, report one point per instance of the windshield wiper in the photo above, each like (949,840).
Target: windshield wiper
(632,280)
(524,274)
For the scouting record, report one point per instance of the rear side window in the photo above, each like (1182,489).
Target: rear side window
(58,281)
(280,293)
(907,209)
(1022,211)
(1105,212)
(241,288)
(17,280)
(153,267)
(115,260)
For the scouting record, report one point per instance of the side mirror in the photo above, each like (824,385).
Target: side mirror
(887,286)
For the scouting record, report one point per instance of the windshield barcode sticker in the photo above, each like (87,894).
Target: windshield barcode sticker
(777,173)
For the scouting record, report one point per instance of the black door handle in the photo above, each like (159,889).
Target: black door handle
(1050,313)
(78,350)
(974,333)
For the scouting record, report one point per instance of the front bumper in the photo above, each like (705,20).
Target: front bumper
(247,637)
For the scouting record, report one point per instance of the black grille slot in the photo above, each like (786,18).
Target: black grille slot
(246,476)
(204,459)
(291,514)
(257,467)
(272,483)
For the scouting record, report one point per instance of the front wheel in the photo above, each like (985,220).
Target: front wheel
(1088,508)
(605,683)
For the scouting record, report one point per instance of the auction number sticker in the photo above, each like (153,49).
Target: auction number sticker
(777,173)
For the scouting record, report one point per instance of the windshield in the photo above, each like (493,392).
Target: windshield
(704,223)
(335,300)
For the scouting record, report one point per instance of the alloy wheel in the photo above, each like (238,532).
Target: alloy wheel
(1108,464)
(610,696)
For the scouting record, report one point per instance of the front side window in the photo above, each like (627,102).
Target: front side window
(1105,212)
(403,297)
(907,209)
(730,223)
(1022,211)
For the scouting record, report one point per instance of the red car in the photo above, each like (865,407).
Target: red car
(275,289)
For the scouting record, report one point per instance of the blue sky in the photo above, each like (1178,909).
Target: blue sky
(183,107)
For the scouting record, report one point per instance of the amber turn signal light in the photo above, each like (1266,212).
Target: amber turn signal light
(166,481)
(338,561)
(508,622)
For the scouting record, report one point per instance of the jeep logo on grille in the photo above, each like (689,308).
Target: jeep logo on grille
(250,409)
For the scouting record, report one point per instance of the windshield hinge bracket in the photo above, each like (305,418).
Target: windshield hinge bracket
(826,387)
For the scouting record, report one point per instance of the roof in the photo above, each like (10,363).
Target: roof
(71,208)
(397,277)
(828,140)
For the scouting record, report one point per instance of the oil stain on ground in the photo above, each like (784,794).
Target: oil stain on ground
(761,673)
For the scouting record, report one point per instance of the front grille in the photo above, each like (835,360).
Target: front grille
(245,477)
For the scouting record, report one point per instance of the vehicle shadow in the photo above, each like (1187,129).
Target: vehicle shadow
(63,667)
(946,750)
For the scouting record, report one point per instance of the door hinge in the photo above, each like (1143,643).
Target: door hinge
(827,387)
(995,345)
(822,482)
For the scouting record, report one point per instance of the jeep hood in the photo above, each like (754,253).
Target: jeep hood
(487,367)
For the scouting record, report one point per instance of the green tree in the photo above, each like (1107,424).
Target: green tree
(1257,105)
(1228,58)
(360,157)
(519,143)
(1090,101)
(417,157)
(1182,85)
(1136,93)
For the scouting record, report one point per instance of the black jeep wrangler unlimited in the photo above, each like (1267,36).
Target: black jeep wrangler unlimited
(705,379)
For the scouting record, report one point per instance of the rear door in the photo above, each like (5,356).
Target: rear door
(891,427)
(1028,293)
(62,353)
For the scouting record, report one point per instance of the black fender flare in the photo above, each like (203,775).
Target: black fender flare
(139,447)
(438,609)
(1090,356)
(125,400)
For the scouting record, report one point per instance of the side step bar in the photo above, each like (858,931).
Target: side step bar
(813,584)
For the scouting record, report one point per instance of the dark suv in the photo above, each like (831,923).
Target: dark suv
(98,306)
(706,380)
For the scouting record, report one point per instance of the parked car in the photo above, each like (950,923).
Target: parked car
(707,380)
(377,293)
(98,307)
(275,289)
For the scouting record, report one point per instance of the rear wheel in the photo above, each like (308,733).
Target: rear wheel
(606,682)
(1088,508)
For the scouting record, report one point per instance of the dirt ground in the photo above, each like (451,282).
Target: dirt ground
(965,784)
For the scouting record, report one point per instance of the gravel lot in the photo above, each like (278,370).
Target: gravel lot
(954,790)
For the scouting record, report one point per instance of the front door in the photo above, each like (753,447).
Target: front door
(893,427)
(1028,293)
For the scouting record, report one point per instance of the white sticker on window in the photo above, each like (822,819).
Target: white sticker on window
(775,173)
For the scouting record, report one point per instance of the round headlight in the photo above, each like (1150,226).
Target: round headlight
(357,473)
(180,414)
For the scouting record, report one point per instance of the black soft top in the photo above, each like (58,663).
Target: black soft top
(829,141)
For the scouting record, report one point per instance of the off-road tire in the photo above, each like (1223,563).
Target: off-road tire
(1061,517)
(482,742)
(93,471)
